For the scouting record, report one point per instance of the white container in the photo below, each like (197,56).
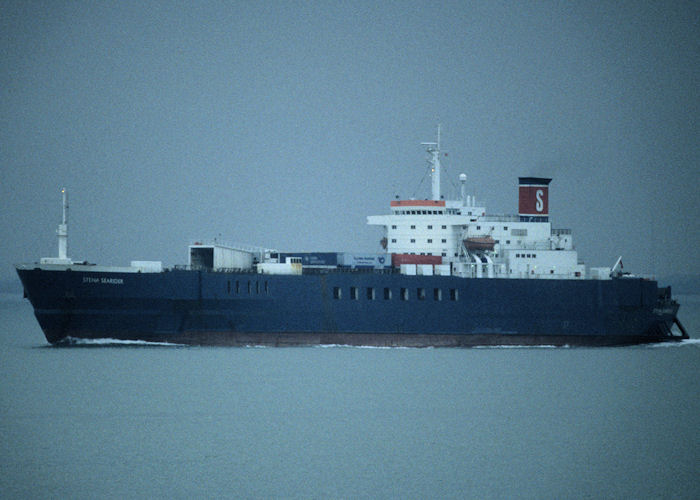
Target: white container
(147,266)
(408,269)
(442,269)
(424,269)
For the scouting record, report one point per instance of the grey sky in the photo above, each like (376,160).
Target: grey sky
(284,124)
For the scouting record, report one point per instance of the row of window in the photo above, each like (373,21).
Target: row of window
(413,226)
(525,255)
(370,292)
(413,240)
(443,240)
(449,211)
(404,293)
(419,212)
(251,286)
(514,232)
(444,254)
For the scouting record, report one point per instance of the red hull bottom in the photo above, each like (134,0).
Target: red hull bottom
(380,340)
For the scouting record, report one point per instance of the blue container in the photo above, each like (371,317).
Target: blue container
(314,258)
(364,260)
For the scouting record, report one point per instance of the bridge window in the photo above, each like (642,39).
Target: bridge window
(387,294)
(337,292)
(437,294)
(404,294)
(353,293)
(420,293)
(454,294)
(370,293)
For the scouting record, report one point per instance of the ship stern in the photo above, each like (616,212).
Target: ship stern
(665,314)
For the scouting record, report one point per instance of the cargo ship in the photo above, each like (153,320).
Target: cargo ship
(448,275)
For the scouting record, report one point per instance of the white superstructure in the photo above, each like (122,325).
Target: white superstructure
(477,245)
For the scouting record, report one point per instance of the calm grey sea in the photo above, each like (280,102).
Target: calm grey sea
(338,422)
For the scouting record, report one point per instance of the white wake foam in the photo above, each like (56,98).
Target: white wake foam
(116,342)
(547,346)
(682,343)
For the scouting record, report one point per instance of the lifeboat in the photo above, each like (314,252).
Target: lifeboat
(480,243)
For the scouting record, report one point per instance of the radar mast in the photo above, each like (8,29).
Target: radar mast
(433,149)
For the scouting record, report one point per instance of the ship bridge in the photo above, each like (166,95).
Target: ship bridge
(425,227)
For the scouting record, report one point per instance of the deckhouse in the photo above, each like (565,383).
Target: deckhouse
(476,245)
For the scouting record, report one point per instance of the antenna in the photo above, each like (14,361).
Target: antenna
(434,150)
(63,229)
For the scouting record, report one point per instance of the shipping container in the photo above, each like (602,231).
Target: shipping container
(148,266)
(409,269)
(216,256)
(405,258)
(442,270)
(313,259)
(363,260)
(424,269)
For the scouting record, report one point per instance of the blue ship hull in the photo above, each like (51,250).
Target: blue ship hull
(353,308)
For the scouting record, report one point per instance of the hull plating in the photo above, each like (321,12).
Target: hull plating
(374,309)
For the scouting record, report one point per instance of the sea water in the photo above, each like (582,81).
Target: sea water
(149,421)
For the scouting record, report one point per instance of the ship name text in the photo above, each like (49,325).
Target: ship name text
(104,281)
